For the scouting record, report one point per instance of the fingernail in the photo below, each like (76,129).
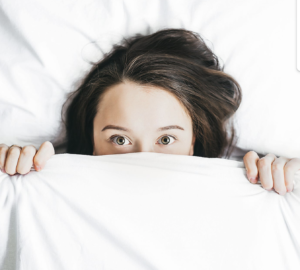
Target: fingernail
(252,180)
(3,170)
(37,168)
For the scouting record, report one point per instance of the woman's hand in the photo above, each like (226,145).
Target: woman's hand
(15,160)
(272,171)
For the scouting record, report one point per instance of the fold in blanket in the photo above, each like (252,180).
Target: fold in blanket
(145,211)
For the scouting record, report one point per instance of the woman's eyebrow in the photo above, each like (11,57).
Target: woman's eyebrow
(170,127)
(128,130)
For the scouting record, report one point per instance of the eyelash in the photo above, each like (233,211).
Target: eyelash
(114,136)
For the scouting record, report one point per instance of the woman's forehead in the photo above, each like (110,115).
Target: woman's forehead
(130,100)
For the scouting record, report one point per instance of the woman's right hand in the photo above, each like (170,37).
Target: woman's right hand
(15,160)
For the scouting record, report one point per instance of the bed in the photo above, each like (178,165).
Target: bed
(147,210)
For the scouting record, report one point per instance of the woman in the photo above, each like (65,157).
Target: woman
(166,93)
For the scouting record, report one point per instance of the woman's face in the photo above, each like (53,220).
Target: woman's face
(133,118)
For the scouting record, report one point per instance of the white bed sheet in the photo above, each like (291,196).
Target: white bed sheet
(46,47)
(145,211)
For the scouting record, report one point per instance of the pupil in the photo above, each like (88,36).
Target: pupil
(166,140)
(121,140)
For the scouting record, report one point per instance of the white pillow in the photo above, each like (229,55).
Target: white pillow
(145,211)
(48,46)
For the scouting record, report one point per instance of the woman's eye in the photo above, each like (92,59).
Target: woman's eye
(120,140)
(166,139)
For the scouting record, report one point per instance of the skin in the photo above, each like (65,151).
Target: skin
(142,110)
(15,160)
(277,173)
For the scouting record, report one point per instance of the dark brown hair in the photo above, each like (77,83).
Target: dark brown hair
(176,60)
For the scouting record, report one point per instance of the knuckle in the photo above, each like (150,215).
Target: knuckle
(2,145)
(276,167)
(288,168)
(296,160)
(14,151)
(3,150)
(262,163)
(250,154)
(47,144)
(27,150)
(50,145)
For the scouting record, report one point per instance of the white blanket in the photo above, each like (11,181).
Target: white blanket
(145,211)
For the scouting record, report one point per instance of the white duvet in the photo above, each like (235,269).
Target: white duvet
(145,211)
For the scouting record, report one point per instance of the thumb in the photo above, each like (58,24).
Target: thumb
(250,161)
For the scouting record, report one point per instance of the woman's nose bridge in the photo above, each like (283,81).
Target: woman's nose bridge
(144,147)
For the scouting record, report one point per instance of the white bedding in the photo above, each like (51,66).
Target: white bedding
(145,211)
(46,47)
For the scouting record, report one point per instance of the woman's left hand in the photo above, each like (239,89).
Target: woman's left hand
(277,173)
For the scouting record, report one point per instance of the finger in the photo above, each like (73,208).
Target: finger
(26,159)
(3,153)
(278,175)
(250,161)
(290,169)
(45,151)
(264,171)
(11,161)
